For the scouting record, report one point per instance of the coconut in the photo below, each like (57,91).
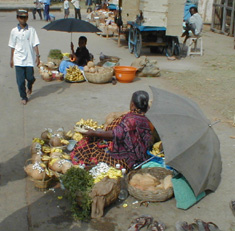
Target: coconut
(90,64)
(55,141)
(28,169)
(101,69)
(55,165)
(46,135)
(86,68)
(36,158)
(33,148)
(55,154)
(37,175)
(92,70)
(66,166)
(51,64)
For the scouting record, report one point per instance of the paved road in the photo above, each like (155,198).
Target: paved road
(57,104)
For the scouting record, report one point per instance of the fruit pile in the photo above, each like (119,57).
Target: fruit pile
(157,149)
(48,156)
(74,74)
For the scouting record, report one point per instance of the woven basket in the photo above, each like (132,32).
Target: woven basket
(103,77)
(40,184)
(56,61)
(160,194)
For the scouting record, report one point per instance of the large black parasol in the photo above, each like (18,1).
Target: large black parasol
(71,25)
(189,141)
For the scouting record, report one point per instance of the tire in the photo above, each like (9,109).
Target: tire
(170,48)
(131,40)
(138,44)
(177,50)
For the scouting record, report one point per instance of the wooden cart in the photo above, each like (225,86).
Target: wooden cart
(159,27)
(153,37)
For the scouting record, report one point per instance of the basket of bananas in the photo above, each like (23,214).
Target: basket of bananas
(74,75)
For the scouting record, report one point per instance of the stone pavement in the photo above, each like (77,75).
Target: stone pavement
(59,104)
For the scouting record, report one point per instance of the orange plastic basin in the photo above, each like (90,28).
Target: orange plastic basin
(125,74)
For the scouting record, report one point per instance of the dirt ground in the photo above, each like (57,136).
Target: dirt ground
(208,80)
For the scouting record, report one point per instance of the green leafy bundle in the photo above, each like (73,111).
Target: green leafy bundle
(55,54)
(79,183)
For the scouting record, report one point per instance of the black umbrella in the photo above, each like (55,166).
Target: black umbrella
(189,141)
(71,25)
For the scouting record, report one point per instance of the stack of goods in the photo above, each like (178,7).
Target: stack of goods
(48,153)
(48,157)
(74,75)
(97,74)
(48,71)
(104,20)
(91,191)
(55,56)
(49,160)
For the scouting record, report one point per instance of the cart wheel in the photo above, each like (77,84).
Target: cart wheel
(170,48)
(131,41)
(138,44)
(177,49)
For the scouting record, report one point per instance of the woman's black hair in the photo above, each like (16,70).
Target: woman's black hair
(141,100)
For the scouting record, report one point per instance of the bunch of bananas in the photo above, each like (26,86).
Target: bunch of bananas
(112,173)
(156,150)
(37,140)
(65,142)
(46,149)
(74,74)
(66,156)
(77,136)
(69,134)
(89,123)
(56,150)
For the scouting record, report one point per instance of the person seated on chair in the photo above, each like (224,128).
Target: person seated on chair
(124,141)
(82,55)
(193,24)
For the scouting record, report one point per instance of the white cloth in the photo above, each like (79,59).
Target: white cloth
(66,4)
(76,4)
(24,41)
(197,21)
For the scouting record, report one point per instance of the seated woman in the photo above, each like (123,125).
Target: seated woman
(125,141)
(81,57)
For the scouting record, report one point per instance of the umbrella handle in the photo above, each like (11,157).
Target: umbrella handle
(210,125)
(146,161)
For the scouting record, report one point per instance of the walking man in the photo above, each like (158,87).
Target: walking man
(47,4)
(76,5)
(36,9)
(24,54)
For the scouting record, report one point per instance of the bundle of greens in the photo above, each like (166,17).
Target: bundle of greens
(55,54)
(79,183)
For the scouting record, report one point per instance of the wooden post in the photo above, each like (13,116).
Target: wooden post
(213,16)
(224,15)
(119,36)
(107,32)
(232,20)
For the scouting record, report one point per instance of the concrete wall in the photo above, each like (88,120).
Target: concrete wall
(205,10)
(16,2)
